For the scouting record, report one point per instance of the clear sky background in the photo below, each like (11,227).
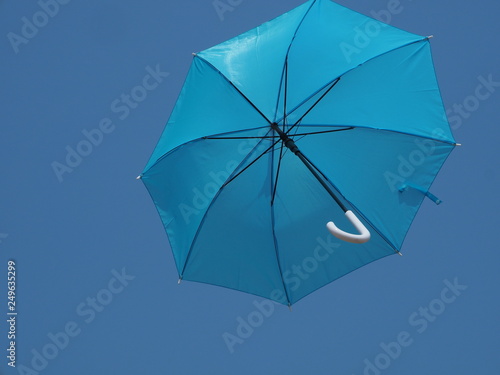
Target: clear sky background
(71,236)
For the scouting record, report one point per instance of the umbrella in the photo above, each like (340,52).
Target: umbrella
(320,116)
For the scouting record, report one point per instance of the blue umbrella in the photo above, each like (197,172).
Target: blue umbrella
(321,115)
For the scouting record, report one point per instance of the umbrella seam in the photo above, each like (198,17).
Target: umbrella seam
(234,289)
(385,130)
(273,221)
(353,206)
(402,242)
(424,39)
(160,158)
(341,276)
(304,101)
(234,86)
(216,196)
(214,137)
(284,72)
(423,198)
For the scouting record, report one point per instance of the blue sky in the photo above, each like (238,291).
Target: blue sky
(97,289)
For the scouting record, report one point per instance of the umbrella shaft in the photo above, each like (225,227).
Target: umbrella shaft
(290,144)
(321,180)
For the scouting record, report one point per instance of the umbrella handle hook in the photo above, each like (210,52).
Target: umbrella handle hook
(362,237)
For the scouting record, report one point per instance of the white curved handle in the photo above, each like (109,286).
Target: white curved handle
(362,237)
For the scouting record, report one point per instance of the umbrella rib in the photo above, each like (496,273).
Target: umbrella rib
(216,196)
(424,39)
(272,136)
(347,127)
(252,163)
(213,136)
(311,96)
(282,154)
(236,88)
(335,81)
(285,65)
(390,131)
(278,257)
(222,135)
(324,132)
(273,223)
(274,188)
(284,120)
(316,103)
(286,92)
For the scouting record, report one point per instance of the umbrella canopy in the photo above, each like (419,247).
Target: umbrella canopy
(284,128)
